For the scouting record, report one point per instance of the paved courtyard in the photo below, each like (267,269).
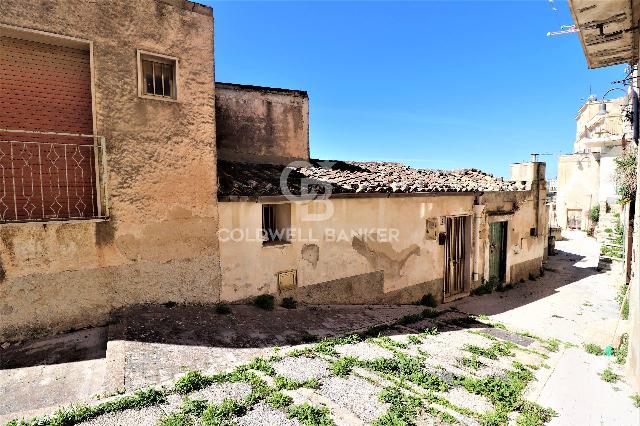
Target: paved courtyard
(513,357)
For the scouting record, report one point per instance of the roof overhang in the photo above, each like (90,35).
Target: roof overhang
(608,30)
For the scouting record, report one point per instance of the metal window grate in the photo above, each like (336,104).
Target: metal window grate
(51,176)
(159,78)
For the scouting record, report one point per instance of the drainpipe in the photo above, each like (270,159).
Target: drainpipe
(478,217)
(535,186)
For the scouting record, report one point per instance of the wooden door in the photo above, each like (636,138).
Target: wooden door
(455,256)
(497,252)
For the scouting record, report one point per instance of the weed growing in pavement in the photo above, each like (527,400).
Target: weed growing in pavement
(430,331)
(636,400)
(552,345)
(388,342)
(80,413)
(413,339)
(494,418)
(343,366)
(192,381)
(194,407)
(532,414)
(609,376)
(327,346)
(483,317)
(497,349)
(223,413)
(486,288)
(261,364)
(623,349)
(290,384)
(408,368)
(309,415)
(428,300)
(593,349)
(403,409)
(289,303)
(279,400)
(472,362)
(176,419)
(265,301)
(504,392)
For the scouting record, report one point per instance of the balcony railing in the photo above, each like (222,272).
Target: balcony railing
(47,176)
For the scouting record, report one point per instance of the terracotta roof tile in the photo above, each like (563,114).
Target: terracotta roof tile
(247,179)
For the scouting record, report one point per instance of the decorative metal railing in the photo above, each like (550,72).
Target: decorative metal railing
(52,176)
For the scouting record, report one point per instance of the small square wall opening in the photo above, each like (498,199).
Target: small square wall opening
(287,280)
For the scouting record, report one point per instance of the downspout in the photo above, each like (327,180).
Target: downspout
(535,186)
(478,217)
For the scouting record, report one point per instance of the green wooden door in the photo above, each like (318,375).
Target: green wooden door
(497,251)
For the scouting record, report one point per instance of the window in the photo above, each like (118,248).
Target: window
(276,222)
(157,76)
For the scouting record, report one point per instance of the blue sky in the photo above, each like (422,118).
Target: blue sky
(434,84)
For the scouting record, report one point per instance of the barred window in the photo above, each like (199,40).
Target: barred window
(158,76)
(276,223)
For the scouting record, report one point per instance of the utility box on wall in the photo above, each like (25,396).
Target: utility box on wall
(287,280)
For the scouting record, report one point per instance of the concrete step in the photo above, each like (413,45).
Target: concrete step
(41,375)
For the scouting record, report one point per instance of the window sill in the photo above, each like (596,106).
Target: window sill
(276,243)
(157,98)
(52,221)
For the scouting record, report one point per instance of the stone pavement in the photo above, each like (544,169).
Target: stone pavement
(425,367)
(575,303)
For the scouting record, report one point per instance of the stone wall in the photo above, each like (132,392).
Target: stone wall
(159,243)
(261,124)
(336,261)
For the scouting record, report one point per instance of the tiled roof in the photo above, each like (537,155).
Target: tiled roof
(247,179)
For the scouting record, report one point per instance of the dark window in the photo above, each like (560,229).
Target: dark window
(269,229)
(159,78)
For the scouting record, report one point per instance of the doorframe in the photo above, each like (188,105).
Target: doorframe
(468,245)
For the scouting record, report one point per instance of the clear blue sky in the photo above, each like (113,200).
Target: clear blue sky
(434,84)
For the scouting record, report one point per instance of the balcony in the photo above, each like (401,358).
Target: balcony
(48,176)
(602,131)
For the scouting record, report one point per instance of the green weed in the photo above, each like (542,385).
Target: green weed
(593,349)
(265,301)
(309,415)
(609,376)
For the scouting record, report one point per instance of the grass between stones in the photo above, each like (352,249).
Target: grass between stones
(75,414)
(409,387)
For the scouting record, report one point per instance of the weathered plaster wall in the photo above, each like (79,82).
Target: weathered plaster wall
(578,184)
(607,186)
(353,270)
(160,242)
(260,124)
(524,251)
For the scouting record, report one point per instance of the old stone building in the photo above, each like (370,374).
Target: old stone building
(355,232)
(585,177)
(129,177)
(144,99)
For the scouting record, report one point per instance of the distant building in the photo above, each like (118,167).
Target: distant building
(585,177)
